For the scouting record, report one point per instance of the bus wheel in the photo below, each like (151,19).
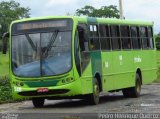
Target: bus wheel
(38,102)
(94,97)
(133,91)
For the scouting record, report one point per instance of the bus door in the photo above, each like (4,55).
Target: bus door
(84,65)
(84,50)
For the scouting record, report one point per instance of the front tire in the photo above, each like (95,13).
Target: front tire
(133,91)
(93,98)
(38,102)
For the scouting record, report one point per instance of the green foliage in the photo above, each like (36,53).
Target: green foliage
(158,67)
(86,10)
(5,90)
(4,64)
(104,12)
(157,42)
(0,44)
(5,87)
(10,11)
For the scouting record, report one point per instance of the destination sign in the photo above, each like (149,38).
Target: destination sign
(44,25)
(41,25)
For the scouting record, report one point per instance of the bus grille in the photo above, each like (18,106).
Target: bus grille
(50,92)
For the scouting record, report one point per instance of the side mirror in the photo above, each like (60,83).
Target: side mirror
(5,42)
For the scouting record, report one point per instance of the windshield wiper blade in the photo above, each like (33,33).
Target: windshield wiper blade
(51,42)
(31,42)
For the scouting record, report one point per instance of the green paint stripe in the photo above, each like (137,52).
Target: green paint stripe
(91,20)
(42,83)
(96,61)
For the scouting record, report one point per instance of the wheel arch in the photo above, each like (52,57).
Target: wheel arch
(139,72)
(99,79)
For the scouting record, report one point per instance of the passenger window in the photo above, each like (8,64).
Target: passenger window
(104,31)
(94,38)
(144,38)
(125,37)
(104,37)
(115,38)
(135,37)
(150,36)
(93,31)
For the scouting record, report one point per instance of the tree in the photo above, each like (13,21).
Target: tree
(104,12)
(157,40)
(10,11)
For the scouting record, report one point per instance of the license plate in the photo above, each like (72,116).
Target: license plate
(42,90)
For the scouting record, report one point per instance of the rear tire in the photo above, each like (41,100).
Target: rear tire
(133,91)
(93,98)
(38,102)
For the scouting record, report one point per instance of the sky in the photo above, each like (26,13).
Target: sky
(146,10)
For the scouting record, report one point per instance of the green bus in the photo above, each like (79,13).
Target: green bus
(79,57)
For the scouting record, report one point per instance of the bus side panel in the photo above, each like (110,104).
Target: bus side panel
(145,60)
(107,68)
(123,72)
(149,66)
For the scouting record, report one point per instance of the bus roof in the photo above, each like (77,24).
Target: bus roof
(113,21)
(92,20)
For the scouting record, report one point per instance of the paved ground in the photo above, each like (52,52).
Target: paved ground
(148,102)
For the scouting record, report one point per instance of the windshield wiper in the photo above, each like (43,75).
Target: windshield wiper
(31,42)
(50,44)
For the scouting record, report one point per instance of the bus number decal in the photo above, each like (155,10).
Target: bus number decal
(106,64)
(137,59)
(17,89)
(120,59)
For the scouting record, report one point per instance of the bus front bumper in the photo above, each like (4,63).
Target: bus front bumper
(66,90)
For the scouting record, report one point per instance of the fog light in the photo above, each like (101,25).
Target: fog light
(68,79)
(21,84)
(71,79)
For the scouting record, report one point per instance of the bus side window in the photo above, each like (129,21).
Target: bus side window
(150,37)
(135,39)
(125,37)
(144,38)
(115,38)
(104,32)
(94,43)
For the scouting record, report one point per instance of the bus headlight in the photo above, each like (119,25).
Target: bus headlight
(19,83)
(67,80)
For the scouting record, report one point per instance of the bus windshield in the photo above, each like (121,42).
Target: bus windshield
(41,54)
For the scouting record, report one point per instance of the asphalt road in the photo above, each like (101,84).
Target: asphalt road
(148,102)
